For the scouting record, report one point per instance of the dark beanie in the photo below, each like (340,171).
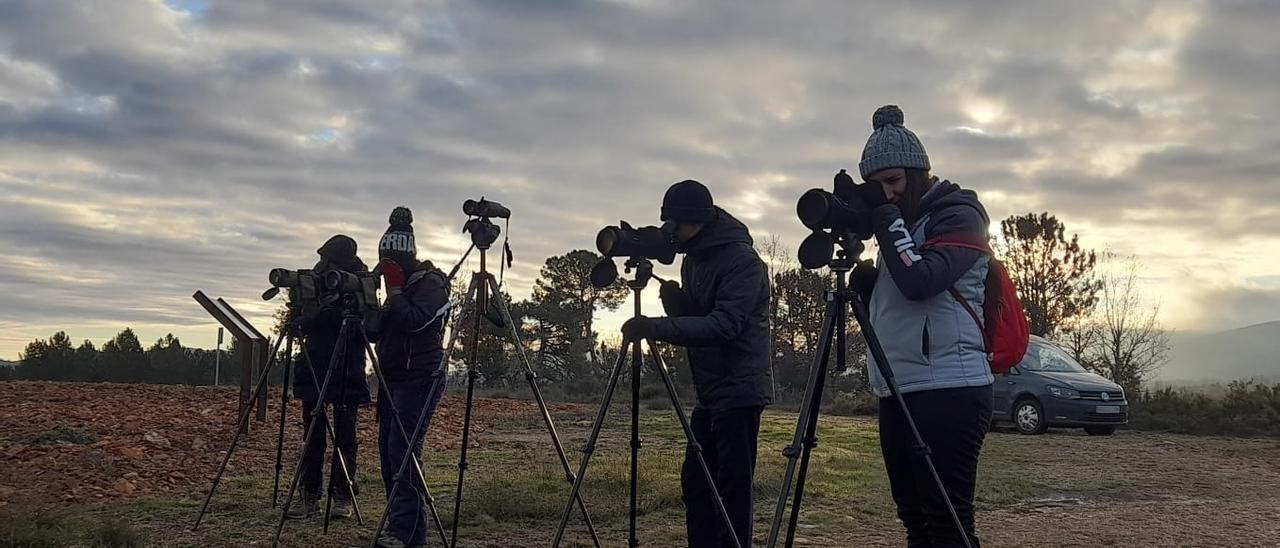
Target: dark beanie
(397,242)
(341,251)
(688,202)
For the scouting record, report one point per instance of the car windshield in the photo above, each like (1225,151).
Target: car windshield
(1044,357)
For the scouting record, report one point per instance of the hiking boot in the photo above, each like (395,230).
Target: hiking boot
(303,506)
(342,508)
(387,540)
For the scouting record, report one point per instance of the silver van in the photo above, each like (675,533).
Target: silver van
(1050,388)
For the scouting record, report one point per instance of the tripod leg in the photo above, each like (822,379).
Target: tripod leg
(815,407)
(637,359)
(284,408)
(808,407)
(882,364)
(532,379)
(333,437)
(693,442)
(590,447)
(306,440)
(385,391)
(340,349)
(240,429)
(481,304)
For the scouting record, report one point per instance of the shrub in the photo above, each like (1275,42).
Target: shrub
(1247,409)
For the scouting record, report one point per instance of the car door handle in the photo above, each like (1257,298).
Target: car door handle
(1008,382)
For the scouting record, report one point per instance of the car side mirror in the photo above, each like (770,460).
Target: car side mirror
(1014,371)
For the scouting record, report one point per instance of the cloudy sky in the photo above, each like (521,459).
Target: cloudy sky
(149,149)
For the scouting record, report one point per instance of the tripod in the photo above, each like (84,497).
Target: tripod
(806,437)
(353,321)
(480,290)
(644,271)
(290,336)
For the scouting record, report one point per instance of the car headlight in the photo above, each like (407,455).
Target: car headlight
(1063,392)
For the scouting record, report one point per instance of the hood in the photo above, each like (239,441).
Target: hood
(723,231)
(1080,381)
(355,265)
(944,194)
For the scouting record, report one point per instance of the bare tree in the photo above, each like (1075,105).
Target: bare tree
(1132,345)
(1081,336)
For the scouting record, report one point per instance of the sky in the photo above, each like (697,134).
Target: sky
(149,149)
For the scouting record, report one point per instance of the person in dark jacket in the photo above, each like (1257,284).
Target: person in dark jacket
(410,354)
(933,345)
(721,317)
(348,389)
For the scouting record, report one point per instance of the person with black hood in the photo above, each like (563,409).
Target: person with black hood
(721,316)
(348,389)
(925,299)
(410,352)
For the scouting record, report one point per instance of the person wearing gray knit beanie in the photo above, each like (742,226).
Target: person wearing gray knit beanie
(928,280)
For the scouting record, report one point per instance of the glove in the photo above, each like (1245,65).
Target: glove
(639,327)
(863,279)
(392,275)
(674,300)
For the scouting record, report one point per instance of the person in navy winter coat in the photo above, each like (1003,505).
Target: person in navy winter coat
(933,345)
(721,317)
(410,353)
(348,389)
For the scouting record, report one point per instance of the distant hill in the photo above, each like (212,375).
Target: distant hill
(1252,351)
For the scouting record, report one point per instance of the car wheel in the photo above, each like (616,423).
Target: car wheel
(1028,417)
(1100,430)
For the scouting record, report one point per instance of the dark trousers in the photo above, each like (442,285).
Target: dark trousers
(344,426)
(953,423)
(728,439)
(411,391)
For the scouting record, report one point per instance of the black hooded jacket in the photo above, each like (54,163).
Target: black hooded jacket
(348,383)
(413,324)
(727,331)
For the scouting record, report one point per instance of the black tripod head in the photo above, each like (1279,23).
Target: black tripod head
(643,268)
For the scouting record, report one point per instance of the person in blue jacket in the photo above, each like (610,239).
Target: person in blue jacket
(933,345)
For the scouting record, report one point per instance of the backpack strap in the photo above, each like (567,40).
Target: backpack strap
(968,307)
(967,241)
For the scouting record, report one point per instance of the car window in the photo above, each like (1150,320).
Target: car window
(1044,357)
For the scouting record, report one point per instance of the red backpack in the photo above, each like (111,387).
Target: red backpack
(1004,329)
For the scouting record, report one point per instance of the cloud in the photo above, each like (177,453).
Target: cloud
(197,145)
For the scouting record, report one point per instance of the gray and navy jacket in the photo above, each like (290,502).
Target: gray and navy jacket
(929,339)
(413,323)
(726,332)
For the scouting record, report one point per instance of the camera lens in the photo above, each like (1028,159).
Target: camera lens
(606,241)
(333,280)
(813,208)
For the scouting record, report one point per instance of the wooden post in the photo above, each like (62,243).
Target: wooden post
(255,350)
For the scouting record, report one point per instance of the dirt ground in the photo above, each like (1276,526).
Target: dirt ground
(101,444)
(155,439)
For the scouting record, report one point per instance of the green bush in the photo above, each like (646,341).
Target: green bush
(1247,409)
(860,402)
(70,435)
(29,526)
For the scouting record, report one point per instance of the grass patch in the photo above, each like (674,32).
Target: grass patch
(32,526)
(515,492)
(68,435)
